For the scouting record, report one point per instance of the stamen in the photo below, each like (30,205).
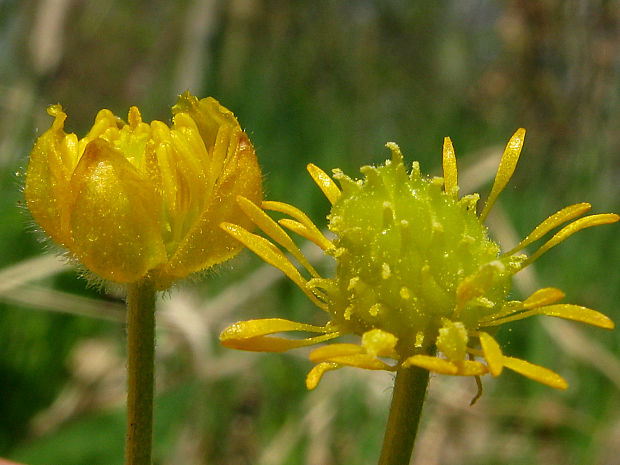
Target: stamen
(567,231)
(478,392)
(507,166)
(325,183)
(134,118)
(223,142)
(559,217)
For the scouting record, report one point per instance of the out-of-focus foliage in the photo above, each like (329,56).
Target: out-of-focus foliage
(329,83)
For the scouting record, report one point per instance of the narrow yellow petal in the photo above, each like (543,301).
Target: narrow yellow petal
(365,361)
(535,372)
(435,364)
(315,375)
(567,231)
(300,216)
(577,313)
(559,217)
(269,343)
(450,173)
(492,353)
(272,255)
(298,228)
(330,351)
(264,326)
(506,168)
(544,296)
(566,311)
(325,183)
(273,230)
(470,368)
(253,335)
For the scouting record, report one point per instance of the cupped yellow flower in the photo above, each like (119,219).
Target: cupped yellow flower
(134,200)
(417,276)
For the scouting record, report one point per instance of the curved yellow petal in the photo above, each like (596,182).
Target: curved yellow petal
(298,228)
(566,311)
(47,190)
(559,217)
(271,255)
(577,313)
(544,296)
(273,230)
(435,364)
(470,368)
(300,216)
(567,231)
(254,335)
(325,183)
(535,372)
(315,375)
(507,166)
(321,354)
(365,361)
(450,173)
(492,353)
(114,218)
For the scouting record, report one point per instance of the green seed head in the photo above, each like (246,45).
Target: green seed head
(411,258)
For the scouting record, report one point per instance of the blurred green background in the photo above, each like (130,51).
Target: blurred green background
(326,82)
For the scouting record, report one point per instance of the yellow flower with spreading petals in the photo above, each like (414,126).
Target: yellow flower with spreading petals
(136,200)
(417,276)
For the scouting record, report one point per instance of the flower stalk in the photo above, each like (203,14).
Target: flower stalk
(140,372)
(405,412)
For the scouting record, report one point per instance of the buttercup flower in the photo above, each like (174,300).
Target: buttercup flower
(417,276)
(131,200)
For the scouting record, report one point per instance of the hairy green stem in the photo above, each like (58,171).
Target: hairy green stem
(140,372)
(405,411)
